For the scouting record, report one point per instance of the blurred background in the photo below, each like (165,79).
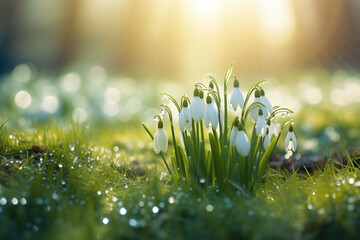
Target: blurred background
(108,60)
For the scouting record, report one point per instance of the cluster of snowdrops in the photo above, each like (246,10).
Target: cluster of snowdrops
(233,156)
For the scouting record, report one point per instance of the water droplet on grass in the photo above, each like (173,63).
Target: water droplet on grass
(133,222)
(3,201)
(155,209)
(209,208)
(123,211)
(105,220)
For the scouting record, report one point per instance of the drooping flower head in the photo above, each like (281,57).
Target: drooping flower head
(290,140)
(197,106)
(185,117)
(237,99)
(255,111)
(261,124)
(234,131)
(266,102)
(160,139)
(210,115)
(242,142)
(274,128)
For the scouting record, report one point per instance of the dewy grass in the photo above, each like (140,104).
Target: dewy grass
(232,157)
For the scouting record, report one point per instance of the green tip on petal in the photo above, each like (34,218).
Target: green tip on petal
(268,122)
(236,83)
(260,112)
(160,124)
(236,122)
(291,128)
(257,93)
(240,127)
(185,103)
(262,92)
(196,92)
(201,94)
(208,100)
(211,85)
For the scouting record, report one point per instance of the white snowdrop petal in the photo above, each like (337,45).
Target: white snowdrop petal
(267,141)
(233,134)
(242,143)
(213,116)
(268,104)
(294,140)
(260,126)
(197,109)
(163,141)
(182,120)
(254,113)
(156,142)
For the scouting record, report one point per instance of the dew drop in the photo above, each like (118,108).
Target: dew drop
(155,209)
(123,211)
(105,220)
(3,201)
(209,208)
(133,222)
(14,201)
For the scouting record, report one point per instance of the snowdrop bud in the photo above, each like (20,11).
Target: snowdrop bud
(290,140)
(261,124)
(255,111)
(234,131)
(197,106)
(267,139)
(185,117)
(237,99)
(266,102)
(210,115)
(160,139)
(242,142)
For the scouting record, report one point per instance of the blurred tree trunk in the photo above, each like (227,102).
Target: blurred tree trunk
(69,34)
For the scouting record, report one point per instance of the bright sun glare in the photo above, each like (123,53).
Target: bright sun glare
(277,19)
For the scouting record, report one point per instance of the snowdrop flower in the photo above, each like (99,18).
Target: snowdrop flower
(266,102)
(255,111)
(274,128)
(160,139)
(267,139)
(185,117)
(210,115)
(261,124)
(234,131)
(237,99)
(242,142)
(197,106)
(290,140)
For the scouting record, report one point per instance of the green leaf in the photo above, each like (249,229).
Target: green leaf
(184,161)
(172,99)
(218,163)
(148,131)
(229,73)
(266,157)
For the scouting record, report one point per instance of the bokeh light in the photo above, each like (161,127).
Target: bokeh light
(23,99)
